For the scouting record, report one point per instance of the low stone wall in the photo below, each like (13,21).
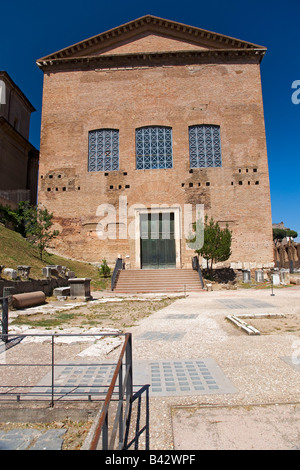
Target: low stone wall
(45,285)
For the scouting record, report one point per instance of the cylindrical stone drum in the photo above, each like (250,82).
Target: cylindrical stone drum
(29,299)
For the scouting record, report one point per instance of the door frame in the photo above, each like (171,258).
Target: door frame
(176,209)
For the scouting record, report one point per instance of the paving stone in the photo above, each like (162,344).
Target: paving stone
(17,439)
(244,303)
(50,440)
(183,316)
(160,336)
(292,361)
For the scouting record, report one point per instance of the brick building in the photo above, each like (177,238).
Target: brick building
(155,114)
(18,157)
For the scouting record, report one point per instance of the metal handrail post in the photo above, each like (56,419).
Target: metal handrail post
(5,319)
(52,372)
(129,384)
(121,424)
(105,432)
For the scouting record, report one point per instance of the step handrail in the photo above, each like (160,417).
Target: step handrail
(196,267)
(118,266)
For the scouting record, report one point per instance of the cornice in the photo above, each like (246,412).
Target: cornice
(150,58)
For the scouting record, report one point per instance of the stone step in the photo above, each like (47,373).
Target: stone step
(158,280)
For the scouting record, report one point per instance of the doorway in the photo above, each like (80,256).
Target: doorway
(157,240)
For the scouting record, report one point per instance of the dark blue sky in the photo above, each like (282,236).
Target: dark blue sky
(32,29)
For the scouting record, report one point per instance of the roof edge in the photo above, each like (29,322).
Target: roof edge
(148,19)
(14,85)
(113,58)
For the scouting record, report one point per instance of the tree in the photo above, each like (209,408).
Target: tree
(281,233)
(104,269)
(37,225)
(217,242)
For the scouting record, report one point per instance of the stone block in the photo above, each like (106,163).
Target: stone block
(46,272)
(259,275)
(275,279)
(285,276)
(61,292)
(10,273)
(24,271)
(80,288)
(246,275)
(70,274)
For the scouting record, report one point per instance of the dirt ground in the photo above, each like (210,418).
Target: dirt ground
(277,325)
(120,315)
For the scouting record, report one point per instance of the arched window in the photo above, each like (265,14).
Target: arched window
(153,148)
(103,150)
(205,146)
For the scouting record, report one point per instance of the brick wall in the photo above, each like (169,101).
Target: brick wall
(225,93)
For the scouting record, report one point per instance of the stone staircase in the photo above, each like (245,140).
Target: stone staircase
(157,280)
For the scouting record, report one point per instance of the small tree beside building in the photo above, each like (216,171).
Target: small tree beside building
(217,243)
(37,225)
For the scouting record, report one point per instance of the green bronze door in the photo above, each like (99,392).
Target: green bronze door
(157,241)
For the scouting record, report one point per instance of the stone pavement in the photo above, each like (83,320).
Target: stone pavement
(31,439)
(212,386)
(254,403)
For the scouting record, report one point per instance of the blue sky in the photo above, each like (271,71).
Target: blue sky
(32,29)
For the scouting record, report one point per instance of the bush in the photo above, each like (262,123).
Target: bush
(104,269)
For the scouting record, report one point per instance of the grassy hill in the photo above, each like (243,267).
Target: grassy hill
(15,251)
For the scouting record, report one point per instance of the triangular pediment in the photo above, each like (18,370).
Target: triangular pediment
(147,42)
(150,34)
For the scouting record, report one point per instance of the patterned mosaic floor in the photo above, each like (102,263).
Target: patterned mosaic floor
(165,377)
(160,336)
(183,377)
(244,303)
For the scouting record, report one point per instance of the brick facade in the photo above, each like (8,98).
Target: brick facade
(151,73)
(19,159)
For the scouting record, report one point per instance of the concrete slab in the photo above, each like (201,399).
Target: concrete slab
(269,427)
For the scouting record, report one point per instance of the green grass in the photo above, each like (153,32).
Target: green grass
(15,250)
(56,321)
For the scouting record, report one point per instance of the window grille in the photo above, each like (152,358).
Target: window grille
(153,148)
(104,150)
(205,146)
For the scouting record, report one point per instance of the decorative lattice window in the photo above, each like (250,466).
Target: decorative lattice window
(104,150)
(153,148)
(205,146)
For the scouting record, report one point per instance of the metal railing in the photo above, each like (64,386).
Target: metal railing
(196,267)
(119,390)
(118,266)
(121,416)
